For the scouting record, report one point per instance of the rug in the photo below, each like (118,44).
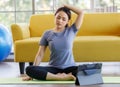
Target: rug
(109,80)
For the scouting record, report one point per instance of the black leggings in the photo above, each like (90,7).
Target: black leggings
(40,72)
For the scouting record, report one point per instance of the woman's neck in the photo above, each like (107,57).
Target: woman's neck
(58,29)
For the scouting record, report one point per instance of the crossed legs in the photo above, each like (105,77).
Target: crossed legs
(50,73)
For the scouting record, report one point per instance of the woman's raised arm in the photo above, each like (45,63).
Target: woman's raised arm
(80,14)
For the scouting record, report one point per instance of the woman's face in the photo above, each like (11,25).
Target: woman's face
(61,19)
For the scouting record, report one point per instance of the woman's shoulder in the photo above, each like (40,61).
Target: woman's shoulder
(72,28)
(47,31)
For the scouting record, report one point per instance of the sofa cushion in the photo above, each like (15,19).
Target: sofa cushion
(100,24)
(26,50)
(92,25)
(40,23)
(97,48)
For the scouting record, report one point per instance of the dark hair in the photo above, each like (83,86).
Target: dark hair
(66,10)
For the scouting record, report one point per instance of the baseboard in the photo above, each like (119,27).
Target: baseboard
(10,58)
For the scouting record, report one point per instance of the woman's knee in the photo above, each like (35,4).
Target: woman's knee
(29,69)
(36,72)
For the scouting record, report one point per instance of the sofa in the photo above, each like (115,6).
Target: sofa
(98,39)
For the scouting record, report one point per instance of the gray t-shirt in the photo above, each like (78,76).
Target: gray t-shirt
(60,45)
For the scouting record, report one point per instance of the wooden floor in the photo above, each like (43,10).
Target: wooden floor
(104,85)
(11,69)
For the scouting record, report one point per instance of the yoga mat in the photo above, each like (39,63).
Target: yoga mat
(19,81)
(109,80)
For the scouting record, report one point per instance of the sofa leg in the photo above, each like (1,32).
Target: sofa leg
(22,67)
(30,63)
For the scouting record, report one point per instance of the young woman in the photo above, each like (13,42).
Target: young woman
(60,41)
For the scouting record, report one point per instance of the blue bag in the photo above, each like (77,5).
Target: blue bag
(89,74)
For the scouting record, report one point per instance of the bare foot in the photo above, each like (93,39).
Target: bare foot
(22,75)
(26,78)
(64,76)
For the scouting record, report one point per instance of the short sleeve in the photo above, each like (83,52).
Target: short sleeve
(73,27)
(43,40)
